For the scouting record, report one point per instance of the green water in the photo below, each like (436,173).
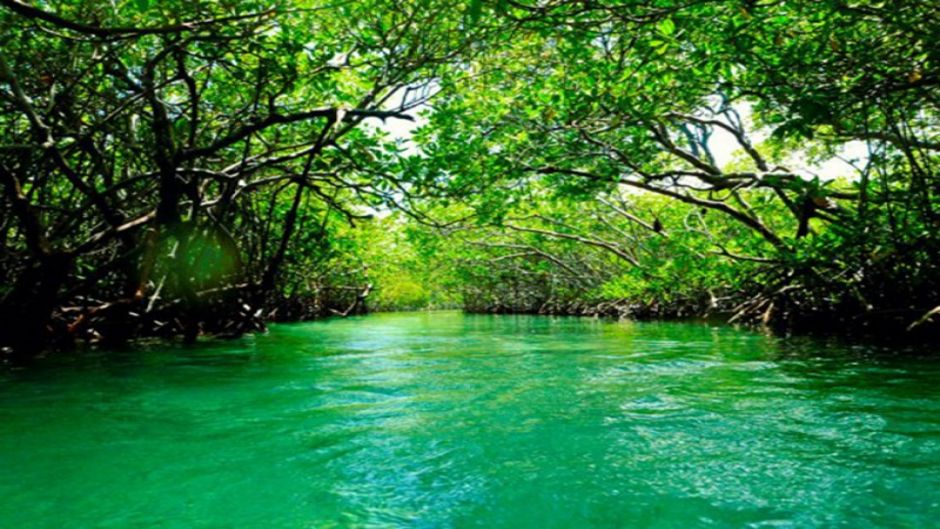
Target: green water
(446,420)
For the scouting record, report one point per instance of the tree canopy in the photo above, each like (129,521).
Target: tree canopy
(177,168)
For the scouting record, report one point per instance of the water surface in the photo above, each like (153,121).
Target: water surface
(446,420)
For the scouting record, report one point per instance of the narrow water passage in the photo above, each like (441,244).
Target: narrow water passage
(450,420)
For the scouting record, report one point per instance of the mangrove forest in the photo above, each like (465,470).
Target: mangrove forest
(483,263)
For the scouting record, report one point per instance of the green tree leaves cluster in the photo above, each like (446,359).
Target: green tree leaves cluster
(182,167)
(164,162)
(598,98)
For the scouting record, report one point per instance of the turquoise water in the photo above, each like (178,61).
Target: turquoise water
(445,420)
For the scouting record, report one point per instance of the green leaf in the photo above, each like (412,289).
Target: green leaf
(476,8)
(667,27)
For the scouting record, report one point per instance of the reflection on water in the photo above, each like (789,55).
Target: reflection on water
(446,420)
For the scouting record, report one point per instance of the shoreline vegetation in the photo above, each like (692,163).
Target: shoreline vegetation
(182,169)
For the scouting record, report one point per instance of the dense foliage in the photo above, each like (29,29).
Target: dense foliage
(592,103)
(164,163)
(177,168)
